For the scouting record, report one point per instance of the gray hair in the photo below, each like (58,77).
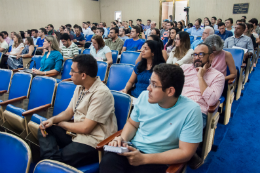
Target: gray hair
(211,30)
(214,41)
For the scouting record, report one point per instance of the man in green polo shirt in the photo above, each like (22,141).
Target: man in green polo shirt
(114,43)
(51,30)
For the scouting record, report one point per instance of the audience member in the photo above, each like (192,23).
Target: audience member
(35,37)
(171,41)
(57,35)
(99,50)
(92,123)
(127,29)
(207,32)
(133,44)
(93,29)
(166,33)
(148,31)
(100,32)
(21,33)
(196,31)
(146,27)
(222,59)
(61,29)
(120,25)
(67,30)
(239,21)
(203,84)
(256,29)
(139,22)
(69,49)
(244,17)
(181,53)
(222,32)
(190,25)
(219,21)
(248,32)
(183,23)
(114,42)
(240,40)
(131,24)
(243,21)
(50,29)
(179,26)
(229,25)
(213,23)
(52,60)
(79,39)
(122,35)
(101,25)
(113,25)
(12,39)
(27,33)
(3,44)
(207,23)
(5,34)
(70,30)
(164,28)
(86,29)
(14,62)
(146,128)
(42,32)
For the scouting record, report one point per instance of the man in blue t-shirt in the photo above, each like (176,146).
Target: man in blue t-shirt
(79,38)
(133,44)
(164,127)
(39,43)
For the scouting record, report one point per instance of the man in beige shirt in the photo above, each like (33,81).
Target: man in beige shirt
(92,107)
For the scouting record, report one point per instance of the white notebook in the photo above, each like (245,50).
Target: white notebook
(115,149)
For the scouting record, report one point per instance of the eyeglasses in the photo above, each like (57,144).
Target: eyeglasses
(201,55)
(153,85)
(72,71)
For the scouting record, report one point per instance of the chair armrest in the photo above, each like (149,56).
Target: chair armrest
(27,57)
(107,140)
(243,65)
(12,100)
(67,79)
(35,110)
(15,70)
(52,74)
(231,81)
(213,108)
(175,168)
(3,91)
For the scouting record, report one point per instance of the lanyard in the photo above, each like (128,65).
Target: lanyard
(235,43)
(81,96)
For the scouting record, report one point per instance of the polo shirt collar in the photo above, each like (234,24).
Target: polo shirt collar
(239,37)
(94,85)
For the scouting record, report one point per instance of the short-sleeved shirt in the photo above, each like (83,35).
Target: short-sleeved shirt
(79,38)
(40,42)
(4,45)
(132,45)
(142,81)
(70,51)
(195,32)
(54,61)
(124,38)
(243,41)
(161,129)
(17,49)
(115,45)
(96,105)
(35,40)
(101,54)
(7,39)
(225,35)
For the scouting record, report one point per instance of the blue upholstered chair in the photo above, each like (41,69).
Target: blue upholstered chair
(5,78)
(185,29)
(87,45)
(165,40)
(114,56)
(51,166)
(88,38)
(198,38)
(86,51)
(129,57)
(1,54)
(41,98)
(10,49)
(102,70)
(191,39)
(80,50)
(66,70)
(36,62)
(119,74)
(15,154)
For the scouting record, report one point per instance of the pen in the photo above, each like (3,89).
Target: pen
(43,127)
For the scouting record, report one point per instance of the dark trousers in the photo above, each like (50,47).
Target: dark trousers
(114,163)
(57,145)
(3,63)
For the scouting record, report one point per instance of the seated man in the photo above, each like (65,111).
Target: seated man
(100,32)
(86,29)
(207,32)
(133,44)
(50,29)
(92,106)
(164,127)
(196,31)
(114,42)
(3,44)
(222,32)
(69,49)
(229,25)
(240,40)
(148,31)
(122,35)
(6,38)
(203,84)
(79,38)
(35,37)
(41,32)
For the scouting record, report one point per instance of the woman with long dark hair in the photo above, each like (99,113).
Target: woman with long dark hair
(151,56)
(180,26)
(171,43)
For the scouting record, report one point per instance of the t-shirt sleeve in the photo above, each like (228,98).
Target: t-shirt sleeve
(82,38)
(75,50)
(125,44)
(135,68)
(140,45)
(193,127)
(135,113)
(106,49)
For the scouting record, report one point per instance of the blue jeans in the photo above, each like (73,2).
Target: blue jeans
(205,116)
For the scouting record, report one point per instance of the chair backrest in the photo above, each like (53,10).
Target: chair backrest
(37,60)
(185,29)
(114,55)
(52,166)
(88,38)
(80,50)
(123,103)
(129,57)
(66,69)
(5,78)
(238,55)
(15,154)
(165,40)
(65,91)
(10,49)
(102,70)
(191,38)
(119,74)
(86,51)
(1,54)
(87,45)
(198,38)
(20,85)
(42,91)
(34,51)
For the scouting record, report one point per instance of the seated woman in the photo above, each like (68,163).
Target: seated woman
(171,43)
(181,53)
(249,32)
(99,50)
(151,56)
(67,30)
(57,36)
(52,60)
(222,58)
(21,33)
(180,26)
(27,52)
(17,48)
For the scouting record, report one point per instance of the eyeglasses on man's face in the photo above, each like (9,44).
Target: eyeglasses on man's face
(153,85)
(200,55)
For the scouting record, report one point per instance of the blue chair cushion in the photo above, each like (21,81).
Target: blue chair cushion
(222,99)
(93,168)
(15,110)
(37,118)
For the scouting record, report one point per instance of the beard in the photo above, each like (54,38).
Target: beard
(198,63)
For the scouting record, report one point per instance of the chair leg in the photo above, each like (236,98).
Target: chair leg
(247,70)
(239,86)
(229,101)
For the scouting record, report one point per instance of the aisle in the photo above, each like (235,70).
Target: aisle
(239,141)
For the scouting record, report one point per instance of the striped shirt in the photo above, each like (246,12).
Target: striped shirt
(191,89)
(70,51)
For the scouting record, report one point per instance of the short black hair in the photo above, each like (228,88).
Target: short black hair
(114,23)
(86,64)
(115,29)
(190,24)
(157,31)
(149,20)
(243,25)
(230,19)
(35,30)
(95,24)
(140,20)
(199,20)
(253,21)
(220,19)
(63,27)
(93,28)
(221,24)
(244,17)
(88,22)
(214,18)
(170,75)
(170,23)
(78,27)
(238,21)
(65,36)
(101,30)
(43,30)
(243,20)
(68,26)
(51,25)
(131,21)
(5,33)
(210,51)
(137,29)
(1,35)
